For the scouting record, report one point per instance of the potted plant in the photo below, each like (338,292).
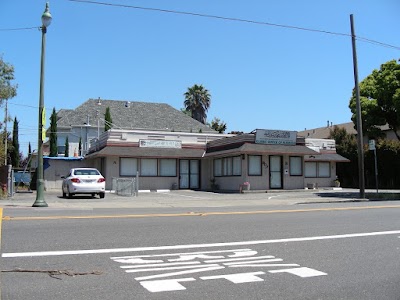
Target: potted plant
(336,182)
(214,185)
(246,185)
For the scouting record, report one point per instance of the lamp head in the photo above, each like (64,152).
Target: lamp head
(46,17)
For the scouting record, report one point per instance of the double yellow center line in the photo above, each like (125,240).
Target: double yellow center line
(190,214)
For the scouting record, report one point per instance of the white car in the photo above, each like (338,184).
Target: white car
(83,181)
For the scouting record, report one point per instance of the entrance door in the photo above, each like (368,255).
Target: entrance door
(275,172)
(189,174)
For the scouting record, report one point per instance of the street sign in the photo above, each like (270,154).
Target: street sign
(371,144)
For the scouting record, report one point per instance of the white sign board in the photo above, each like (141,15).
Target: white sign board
(276,137)
(160,144)
(371,144)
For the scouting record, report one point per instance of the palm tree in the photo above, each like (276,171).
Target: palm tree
(197,101)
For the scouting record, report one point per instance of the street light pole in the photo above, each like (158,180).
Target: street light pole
(40,202)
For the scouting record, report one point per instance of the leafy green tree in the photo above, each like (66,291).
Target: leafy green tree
(26,161)
(66,151)
(388,157)
(218,125)
(346,146)
(53,134)
(346,143)
(29,155)
(197,101)
(7,90)
(5,135)
(14,154)
(380,100)
(2,148)
(108,119)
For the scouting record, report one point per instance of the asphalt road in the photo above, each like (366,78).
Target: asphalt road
(316,251)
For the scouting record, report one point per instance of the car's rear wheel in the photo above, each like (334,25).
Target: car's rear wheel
(64,194)
(102,195)
(69,194)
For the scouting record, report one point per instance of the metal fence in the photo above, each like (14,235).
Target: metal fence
(125,186)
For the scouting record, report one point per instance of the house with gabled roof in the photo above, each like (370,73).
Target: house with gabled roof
(87,123)
(163,133)
(324,132)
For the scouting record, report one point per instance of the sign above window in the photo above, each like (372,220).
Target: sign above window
(276,137)
(160,144)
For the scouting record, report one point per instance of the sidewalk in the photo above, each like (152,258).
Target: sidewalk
(188,198)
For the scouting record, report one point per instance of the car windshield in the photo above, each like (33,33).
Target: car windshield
(86,172)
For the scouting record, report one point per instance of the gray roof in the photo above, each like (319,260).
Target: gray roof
(326,157)
(265,149)
(62,112)
(324,132)
(147,152)
(131,115)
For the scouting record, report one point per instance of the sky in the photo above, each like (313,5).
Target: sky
(259,75)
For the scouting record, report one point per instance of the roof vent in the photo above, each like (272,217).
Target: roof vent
(127,104)
(98,101)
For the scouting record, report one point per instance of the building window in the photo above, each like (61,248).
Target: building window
(128,166)
(228,166)
(295,164)
(311,169)
(227,163)
(254,165)
(61,150)
(324,169)
(317,169)
(168,167)
(217,167)
(237,166)
(148,167)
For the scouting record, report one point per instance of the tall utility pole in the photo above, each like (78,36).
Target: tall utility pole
(360,143)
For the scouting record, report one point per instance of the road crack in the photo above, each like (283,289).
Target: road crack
(53,273)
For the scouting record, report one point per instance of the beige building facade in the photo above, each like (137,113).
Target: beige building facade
(173,160)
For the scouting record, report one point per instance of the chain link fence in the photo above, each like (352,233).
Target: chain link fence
(125,186)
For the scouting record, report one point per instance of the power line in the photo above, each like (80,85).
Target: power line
(374,42)
(236,20)
(16,29)
(25,105)
(377,43)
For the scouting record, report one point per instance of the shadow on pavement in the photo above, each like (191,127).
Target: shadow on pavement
(384,196)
